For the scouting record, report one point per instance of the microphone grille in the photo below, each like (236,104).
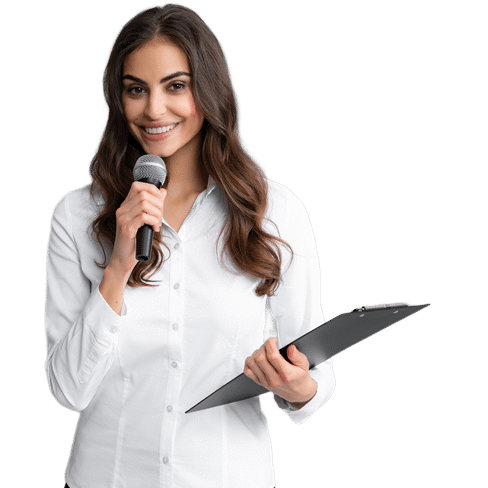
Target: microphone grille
(150,166)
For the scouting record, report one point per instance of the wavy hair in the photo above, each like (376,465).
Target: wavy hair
(253,251)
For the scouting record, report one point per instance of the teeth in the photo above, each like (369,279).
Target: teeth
(159,130)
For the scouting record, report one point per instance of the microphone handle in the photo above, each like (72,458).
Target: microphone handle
(145,233)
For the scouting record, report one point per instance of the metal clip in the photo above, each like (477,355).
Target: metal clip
(366,308)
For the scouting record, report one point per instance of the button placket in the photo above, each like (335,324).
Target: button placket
(174,358)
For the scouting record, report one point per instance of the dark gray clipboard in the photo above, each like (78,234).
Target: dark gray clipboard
(318,345)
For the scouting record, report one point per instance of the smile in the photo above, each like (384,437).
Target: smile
(160,130)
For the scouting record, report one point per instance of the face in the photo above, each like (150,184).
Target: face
(158,102)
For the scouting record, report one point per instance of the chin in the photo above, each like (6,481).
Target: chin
(154,149)
(161,152)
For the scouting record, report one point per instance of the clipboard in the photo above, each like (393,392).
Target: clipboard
(318,345)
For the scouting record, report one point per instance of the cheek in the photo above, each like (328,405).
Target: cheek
(196,113)
(130,109)
(191,111)
(193,108)
(127,115)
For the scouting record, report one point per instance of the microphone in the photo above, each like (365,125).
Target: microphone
(148,169)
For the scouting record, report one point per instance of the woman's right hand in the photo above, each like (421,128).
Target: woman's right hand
(144,204)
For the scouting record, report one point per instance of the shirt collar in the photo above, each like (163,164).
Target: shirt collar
(211,184)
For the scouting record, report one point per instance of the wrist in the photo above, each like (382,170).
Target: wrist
(117,273)
(112,287)
(299,405)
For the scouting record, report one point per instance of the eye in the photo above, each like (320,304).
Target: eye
(177,86)
(135,90)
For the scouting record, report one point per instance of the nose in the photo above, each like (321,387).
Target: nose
(156,105)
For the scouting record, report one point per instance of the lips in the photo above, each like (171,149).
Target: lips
(160,128)
(162,135)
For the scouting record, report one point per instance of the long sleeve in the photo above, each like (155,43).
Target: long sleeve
(296,307)
(81,327)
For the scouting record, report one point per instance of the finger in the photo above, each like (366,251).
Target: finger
(257,371)
(132,210)
(249,372)
(155,196)
(146,190)
(139,186)
(148,219)
(275,358)
(298,359)
(265,370)
(163,194)
(145,196)
(138,215)
(146,204)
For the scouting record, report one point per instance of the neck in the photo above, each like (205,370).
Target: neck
(186,173)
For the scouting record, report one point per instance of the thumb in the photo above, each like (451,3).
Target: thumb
(297,358)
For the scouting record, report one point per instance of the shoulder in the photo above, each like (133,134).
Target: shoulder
(79,206)
(282,202)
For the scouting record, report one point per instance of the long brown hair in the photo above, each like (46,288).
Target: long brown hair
(252,250)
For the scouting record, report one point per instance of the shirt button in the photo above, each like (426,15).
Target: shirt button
(174,364)
(169,408)
(177,245)
(176,286)
(165,460)
(175,326)
(114,330)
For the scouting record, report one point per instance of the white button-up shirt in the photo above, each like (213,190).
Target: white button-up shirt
(133,376)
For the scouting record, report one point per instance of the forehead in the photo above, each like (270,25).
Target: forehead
(155,58)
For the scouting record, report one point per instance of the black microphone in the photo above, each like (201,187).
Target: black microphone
(148,169)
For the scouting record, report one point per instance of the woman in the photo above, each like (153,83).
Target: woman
(132,353)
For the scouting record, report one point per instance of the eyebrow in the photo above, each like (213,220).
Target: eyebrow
(163,80)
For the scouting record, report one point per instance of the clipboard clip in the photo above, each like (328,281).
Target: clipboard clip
(366,308)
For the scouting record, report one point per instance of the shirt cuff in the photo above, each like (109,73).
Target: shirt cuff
(101,319)
(323,374)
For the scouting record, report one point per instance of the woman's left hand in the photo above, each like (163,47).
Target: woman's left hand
(268,368)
